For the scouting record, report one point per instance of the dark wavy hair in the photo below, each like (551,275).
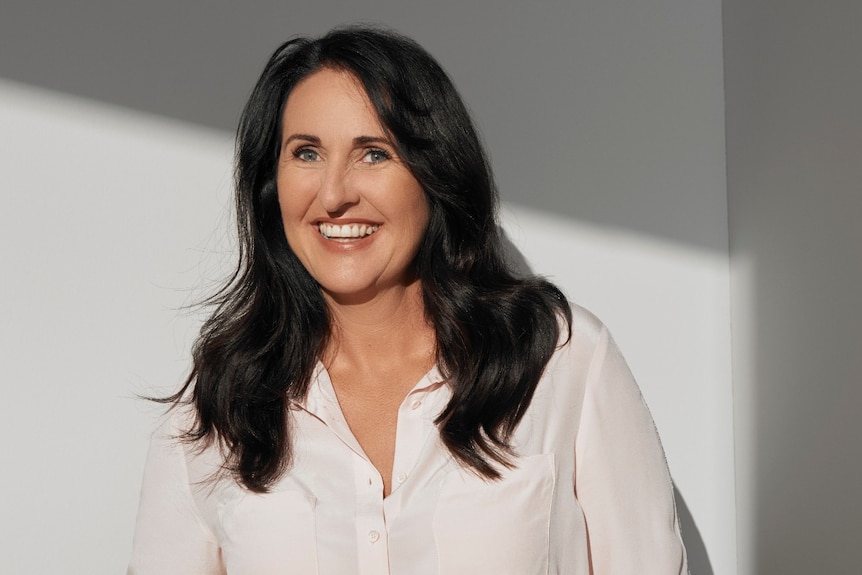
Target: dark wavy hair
(495,332)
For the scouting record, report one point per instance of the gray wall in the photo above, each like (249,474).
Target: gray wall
(794,153)
(566,90)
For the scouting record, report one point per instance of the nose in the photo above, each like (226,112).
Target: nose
(336,192)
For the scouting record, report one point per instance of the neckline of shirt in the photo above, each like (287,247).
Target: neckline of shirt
(321,394)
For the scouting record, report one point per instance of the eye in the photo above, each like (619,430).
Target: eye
(376,156)
(306,155)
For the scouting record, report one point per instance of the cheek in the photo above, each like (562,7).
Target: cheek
(420,212)
(289,212)
(412,204)
(293,198)
(292,222)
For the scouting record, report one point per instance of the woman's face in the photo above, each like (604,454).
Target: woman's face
(352,211)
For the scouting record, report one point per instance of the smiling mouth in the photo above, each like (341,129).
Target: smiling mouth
(346,232)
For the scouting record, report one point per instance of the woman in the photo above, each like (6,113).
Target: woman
(376,392)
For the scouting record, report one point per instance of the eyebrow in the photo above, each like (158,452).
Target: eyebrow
(306,137)
(357,141)
(362,140)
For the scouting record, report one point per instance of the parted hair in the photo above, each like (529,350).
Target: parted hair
(495,330)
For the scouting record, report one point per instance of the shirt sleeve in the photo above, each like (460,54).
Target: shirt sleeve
(621,477)
(170,536)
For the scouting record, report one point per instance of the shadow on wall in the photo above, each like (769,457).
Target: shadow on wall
(698,558)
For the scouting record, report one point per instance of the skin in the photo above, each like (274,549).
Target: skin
(337,166)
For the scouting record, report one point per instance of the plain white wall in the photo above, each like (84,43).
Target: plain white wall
(794,151)
(109,220)
(605,125)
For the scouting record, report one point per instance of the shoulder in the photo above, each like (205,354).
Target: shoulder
(557,403)
(579,343)
(580,347)
(585,324)
(198,461)
(586,361)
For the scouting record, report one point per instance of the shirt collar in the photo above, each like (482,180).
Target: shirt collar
(321,395)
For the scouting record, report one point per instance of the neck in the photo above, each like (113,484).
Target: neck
(386,329)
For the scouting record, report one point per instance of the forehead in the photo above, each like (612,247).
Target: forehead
(329,99)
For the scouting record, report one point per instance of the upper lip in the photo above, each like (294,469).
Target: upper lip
(345,222)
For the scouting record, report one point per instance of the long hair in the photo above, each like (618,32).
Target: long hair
(494,332)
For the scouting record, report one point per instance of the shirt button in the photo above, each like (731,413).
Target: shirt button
(373,536)
(415,405)
(402,477)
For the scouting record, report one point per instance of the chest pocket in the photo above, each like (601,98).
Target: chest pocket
(496,527)
(270,534)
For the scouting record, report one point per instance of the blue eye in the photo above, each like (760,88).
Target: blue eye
(306,155)
(375,156)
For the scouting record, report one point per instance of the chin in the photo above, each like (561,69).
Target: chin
(354,293)
(351,297)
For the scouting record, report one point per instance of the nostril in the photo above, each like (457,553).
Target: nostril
(336,197)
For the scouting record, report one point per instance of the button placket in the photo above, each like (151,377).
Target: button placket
(409,437)
(372,543)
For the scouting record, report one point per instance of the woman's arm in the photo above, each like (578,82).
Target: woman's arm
(170,536)
(621,477)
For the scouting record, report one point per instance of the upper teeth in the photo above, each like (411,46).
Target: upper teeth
(346,231)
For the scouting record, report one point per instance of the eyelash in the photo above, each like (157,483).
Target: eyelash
(383,155)
(300,152)
(379,155)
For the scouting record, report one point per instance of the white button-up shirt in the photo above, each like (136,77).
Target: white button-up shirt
(590,490)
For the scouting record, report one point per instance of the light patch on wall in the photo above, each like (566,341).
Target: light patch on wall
(106,217)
